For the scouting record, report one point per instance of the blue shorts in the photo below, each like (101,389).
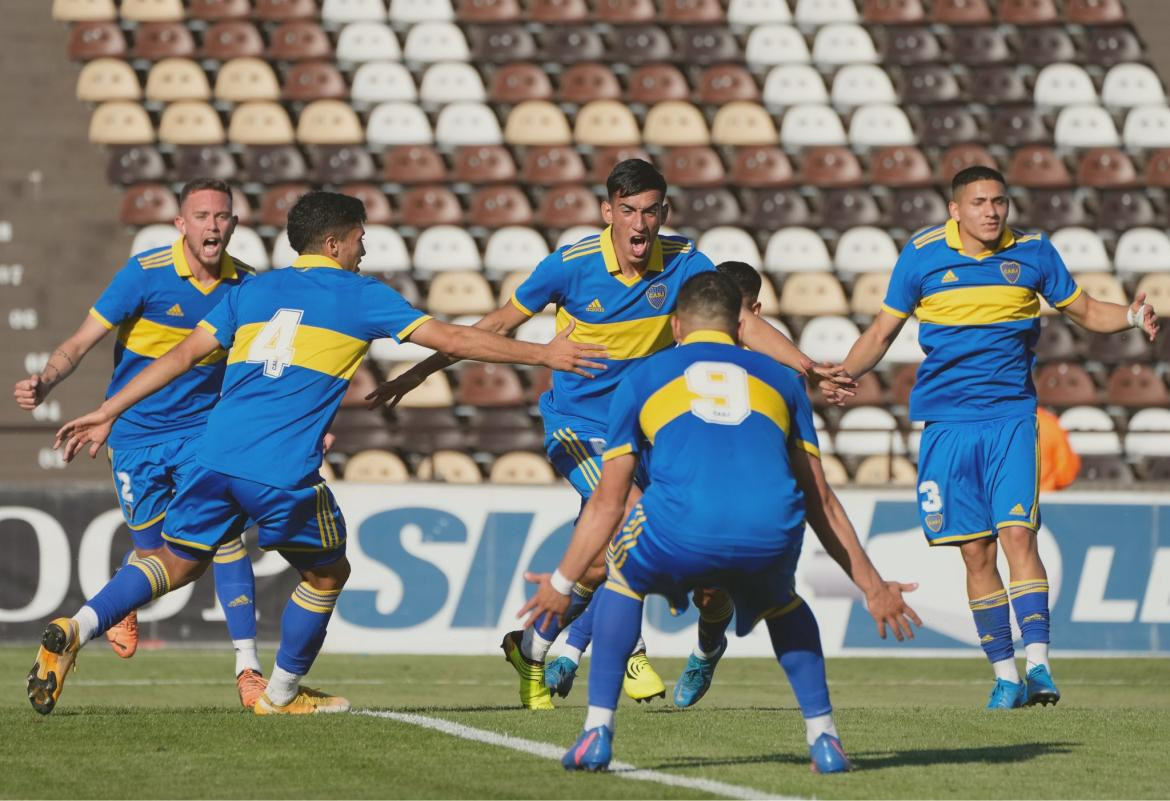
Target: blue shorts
(976,478)
(640,562)
(304,524)
(575,452)
(145,481)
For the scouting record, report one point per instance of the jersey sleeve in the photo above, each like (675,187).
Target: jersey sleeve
(697,262)
(122,299)
(385,313)
(545,285)
(222,321)
(803,432)
(624,434)
(905,288)
(1056,283)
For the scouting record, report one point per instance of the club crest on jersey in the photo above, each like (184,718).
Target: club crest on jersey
(934,522)
(656,295)
(1010,271)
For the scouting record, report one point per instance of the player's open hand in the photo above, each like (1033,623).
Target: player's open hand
(1144,314)
(573,357)
(29,392)
(835,384)
(389,393)
(90,430)
(888,608)
(545,601)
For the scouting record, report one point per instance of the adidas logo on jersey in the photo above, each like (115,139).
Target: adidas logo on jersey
(1018,509)
(175,311)
(243,600)
(595,306)
(950,277)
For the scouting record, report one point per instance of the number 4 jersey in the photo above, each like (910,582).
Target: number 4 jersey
(294,337)
(716,423)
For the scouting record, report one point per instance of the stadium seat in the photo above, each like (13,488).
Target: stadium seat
(376,467)
(260,122)
(385,250)
(910,45)
(1028,12)
(152,10)
(367,41)
(1143,250)
(215,10)
(725,83)
(753,13)
(276,202)
(853,85)
(382,82)
(588,81)
(283,254)
(900,167)
(537,122)
(902,379)
(653,83)
(882,470)
(796,249)
(998,84)
(772,44)
(378,208)
(426,206)
(978,44)
(336,163)
(156,40)
(815,13)
(107,79)
(398,123)
(154,236)
(960,12)
(513,248)
(704,208)
(146,204)
(499,205)
(848,208)
(299,40)
(1129,85)
(538,329)
(1107,46)
(522,467)
(272,164)
(484,164)
(1064,384)
(314,80)
(445,248)
(672,123)
(1102,286)
(768,300)
(511,282)
(864,250)
(462,124)
(433,41)
(95,39)
(455,293)
(1048,209)
(706,45)
(770,208)
(1156,287)
(742,124)
(809,125)
(489,386)
(1106,168)
(1090,431)
(340,12)
(868,294)
(134,164)
(568,206)
(548,11)
(452,467)
(694,166)
(1130,345)
(517,82)
(868,431)
(1136,386)
(843,43)
(280,10)
(928,84)
(409,12)
(1148,433)
(1147,127)
(812,294)
(1081,249)
(233,38)
(1094,12)
(202,161)
(728,243)
(242,79)
(190,122)
(604,123)
(1038,166)
(84,10)
(795,84)
(625,12)
(1045,45)
(1125,208)
(880,125)
(247,246)
(1064,85)
(606,158)
(692,12)
(639,44)
(1105,469)
(832,166)
(330,122)
(414,164)
(1156,174)
(945,126)
(762,166)
(916,208)
(497,44)
(552,165)
(566,44)
(1015,126)
(893,12)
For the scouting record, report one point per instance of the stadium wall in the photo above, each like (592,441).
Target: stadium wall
(439,569)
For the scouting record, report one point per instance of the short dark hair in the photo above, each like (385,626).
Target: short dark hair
(711,297)
(633,177)
(970,175)
(201,184)
(318,215)
(745,277)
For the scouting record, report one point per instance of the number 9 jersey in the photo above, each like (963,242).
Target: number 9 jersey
(294,337)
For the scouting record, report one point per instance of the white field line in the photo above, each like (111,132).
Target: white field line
(621,770)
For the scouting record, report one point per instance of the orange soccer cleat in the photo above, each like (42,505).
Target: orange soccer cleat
(123,636)
(251,685)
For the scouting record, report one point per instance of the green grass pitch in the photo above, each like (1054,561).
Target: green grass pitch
(167,725)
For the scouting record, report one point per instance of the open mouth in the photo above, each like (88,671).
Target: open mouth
(639,246)
(211,247)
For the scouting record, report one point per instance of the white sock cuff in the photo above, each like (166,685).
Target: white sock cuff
(87,624)
(598,716)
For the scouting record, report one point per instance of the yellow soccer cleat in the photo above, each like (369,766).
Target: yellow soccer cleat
(250,685)
(533,692)
(123,636)
(55,658)
(642,682)
(307,701)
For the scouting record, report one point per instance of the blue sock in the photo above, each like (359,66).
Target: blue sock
(993,623)
(1030,603)
(618,623)
(796,641)
(127,557)
(713,622)
(235,586)
(128,590)
(549,627)
(302,627)
(581,632)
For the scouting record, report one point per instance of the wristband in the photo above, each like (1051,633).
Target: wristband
(560,583)
(1137,316)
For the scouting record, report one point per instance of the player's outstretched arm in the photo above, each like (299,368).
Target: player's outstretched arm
(31,392)
(464,342)
(760,336)
(827,517)
(93,429)
(872,345)
(594,530)
(1103,317)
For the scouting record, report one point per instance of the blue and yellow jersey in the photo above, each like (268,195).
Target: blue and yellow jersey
(629,316)
(979,318)
(294,337)
(155,302)
(716,423)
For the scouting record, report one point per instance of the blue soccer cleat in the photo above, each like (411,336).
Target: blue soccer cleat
(828,756)
(1007,695)
(559,675)
(696,678)
(592,751)
(1041,688)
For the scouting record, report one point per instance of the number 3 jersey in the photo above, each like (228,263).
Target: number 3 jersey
(294,337)
(716,424)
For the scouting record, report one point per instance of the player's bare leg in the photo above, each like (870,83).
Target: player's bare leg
(1029,597)
(989,606)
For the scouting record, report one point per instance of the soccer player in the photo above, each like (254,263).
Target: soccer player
(155,300)
(619,289)
(734,473)
(294,338)
(975,285)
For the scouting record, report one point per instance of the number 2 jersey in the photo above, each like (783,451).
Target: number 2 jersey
(294,337)
(716,424)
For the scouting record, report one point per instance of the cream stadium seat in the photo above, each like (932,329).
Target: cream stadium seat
(367,41)
(769,45)
(1081,249)
(340,12)
(828,339)
(869,292)
(752,13)
(455,293)
(244,79)
(467,124)
(1085,126)
(1102,286)
(537,122)
(174,79)
(452,82)
(843,43)
(728,243)
(429,42)
(329,122)
(674,123)
(810,126)
(382,82)
(880,470)
(190,122)
(796,249)
(743,124)
(120,122)
(1156,287)
(1129,85)
(812,295)
(1064,85)
(445,248)
(521,467)
(433,393)
(605,123)
(510,283)
(107,79)
(835,473)
(792,84)
(376,467)
(408,12)
(859,84)
(84,10)
(398,123)
(152,10)
(452,467)
(513,247)
(247,246)
(385,251)
(880,125)
(260,122)
(769,303)
(865,249)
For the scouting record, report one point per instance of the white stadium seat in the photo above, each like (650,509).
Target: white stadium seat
(451,82)
(512,248)
(382,82)
(1090,431)
(757,12)
(467,124)
(728,243)
(539,329)
(247,246)
(571,236)
(868,431)
(865,249)
(1128,85)
(824,12)
(1081,249)
(1085,126)
(283,254)
(153,236)
(1142,250)
(811,126)
(828,339)
(859,84)
(905,348)
(385,250)
(793,84)
(796,249)
(880,125)
(339,12)
(444,248)
(843,43)
(430,42)
(1064,85)
(367,41)
(768,45)
(398,123)
(1147,127)
(411,11)
(1149,433)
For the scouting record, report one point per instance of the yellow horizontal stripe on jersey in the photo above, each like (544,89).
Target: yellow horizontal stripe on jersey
(320,349)
(151,339)
(410,329)
(95,314)
(901,315)
(1068,300)
(674,400)
(620,450)
(809,448)
(626,339)
(979,305)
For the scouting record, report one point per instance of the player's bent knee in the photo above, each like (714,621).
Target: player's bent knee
(331,576)
(182,567)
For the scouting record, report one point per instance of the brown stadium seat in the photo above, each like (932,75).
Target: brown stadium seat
(1136,386)
(625,12)
(910,45)
(1124,347)
(273,164)
(276,202)
(1057,342)
(281,10)
(230,39)
(1015,126)
(924,84)
(960,157)
(654,83)
(203,161)
(537,122)
(135,164)
(1121,209)
(585,82)
(639,44)
(498,206)
(260,122)
(605,123)
(769,208)
(95,39)
(158,40)
(483,164)
(1106,168)
(1094,12)
(215,10)
(706,45)
(376,467)
(552,165)
(692,167)
(606,158)
(174,79)
(107,79)
(1157,171)
(241,206)
(1050,209)
(829,166)
(900,166)
(453,467)
(704,208)
(762,167)
(190,122)
(996,84)
(358,429)
(867,393)
(489,11)
(559,12)
(902,384)
(522,467)
(1107,46)
(567,206)
(490,385)
(1028,12)
(961,12)
(520,81)
(1046,45)
(1064,384)
(943,126)
(299,40)
(893,12)
(572,44)
(692,12)
(499,44)
(980,45)
(725,83)
(1038,166)
(916,208)
(152,10)
(413,164)
(330,122)
(500,421)
(84,10)
(424,206)
(314,80)
(848,208)
(146,204)
(340,164)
